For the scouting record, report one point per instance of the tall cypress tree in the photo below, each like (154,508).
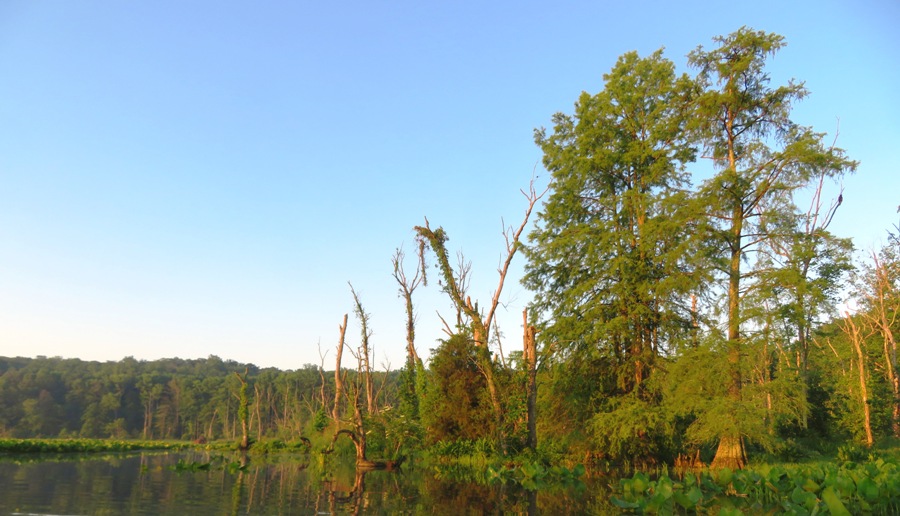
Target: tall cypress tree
(609,260)
(762,157)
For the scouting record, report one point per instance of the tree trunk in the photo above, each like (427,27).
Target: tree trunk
(371,407)
(853,333)
(365,353)
(730,454)
(530,355)
(338,384)
(883,289)
(486,365)
(212,420)
(258,402)
(323,400)
(411,331)
(359,443)
(244,411)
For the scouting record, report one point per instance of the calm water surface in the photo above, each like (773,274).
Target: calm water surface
(150,483)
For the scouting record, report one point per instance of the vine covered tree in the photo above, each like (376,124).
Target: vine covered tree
(479,323)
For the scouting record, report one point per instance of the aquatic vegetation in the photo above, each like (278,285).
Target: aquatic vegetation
(872,487)
(85,445)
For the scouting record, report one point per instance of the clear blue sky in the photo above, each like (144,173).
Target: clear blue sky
(186,178)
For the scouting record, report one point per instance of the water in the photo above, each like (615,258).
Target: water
(149,483)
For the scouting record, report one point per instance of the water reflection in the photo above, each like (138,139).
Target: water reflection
(209,483)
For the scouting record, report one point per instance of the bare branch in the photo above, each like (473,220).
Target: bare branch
(512,245)
(447,329)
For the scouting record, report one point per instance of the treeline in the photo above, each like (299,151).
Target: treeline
(161,399)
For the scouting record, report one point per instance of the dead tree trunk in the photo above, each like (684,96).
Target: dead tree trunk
(530,356)
(322,377)
(856,339)
(884,319)
(358,434)
(407,287)
(365,352)
(244,410)
(338,383)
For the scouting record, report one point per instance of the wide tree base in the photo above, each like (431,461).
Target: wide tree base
(730,454)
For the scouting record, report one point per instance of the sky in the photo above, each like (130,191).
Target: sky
(195,178)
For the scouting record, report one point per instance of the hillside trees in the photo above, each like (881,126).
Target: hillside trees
(611,259)
(191,398)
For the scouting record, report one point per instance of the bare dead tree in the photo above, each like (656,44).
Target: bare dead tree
(322,375)
(857,339)
(365,351)
(881,301)
(407,287)
(498,340)
(358,434)
(529,353)
(338,380)
(386,365)
(244,410)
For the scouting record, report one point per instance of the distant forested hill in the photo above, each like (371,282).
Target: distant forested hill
(160,399)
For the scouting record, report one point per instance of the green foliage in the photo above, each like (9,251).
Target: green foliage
(478,452)
(279,446)
(456,405)
(321,420)
(706,398)
(852,453)
(615,251)
(609,256)
(631,429)
(869,488)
